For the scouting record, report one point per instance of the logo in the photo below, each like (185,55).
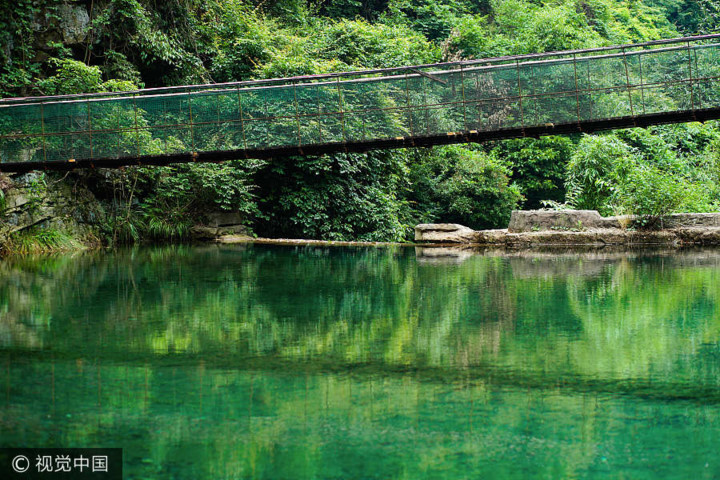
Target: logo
(61,463)
(20,464)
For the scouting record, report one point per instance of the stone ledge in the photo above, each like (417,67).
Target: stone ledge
(580,220)
(207,232)
(578,228)
(541,220)
(445,233)
(599,237)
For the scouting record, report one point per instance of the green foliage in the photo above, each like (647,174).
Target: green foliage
(360,44)
(623,22)
(377,196)
(538,166)
(160,39)
(335,197)
(40,241)
(646,173)
(349,9)
(124,229)
(162,225)
(75,77)
(18,46)
(456,184)
(433,18)
(195,188)
(690,16)
(653,193)
(521,26)
(71,77)
(595,171)
(118,68)
(163,203)
(239,40)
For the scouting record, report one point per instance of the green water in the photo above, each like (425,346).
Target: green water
(339,363)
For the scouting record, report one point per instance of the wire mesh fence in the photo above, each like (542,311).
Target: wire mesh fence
(490,95)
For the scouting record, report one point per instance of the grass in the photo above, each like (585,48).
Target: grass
(162,229)
(43,241)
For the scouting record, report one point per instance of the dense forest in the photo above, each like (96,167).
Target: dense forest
(52,47)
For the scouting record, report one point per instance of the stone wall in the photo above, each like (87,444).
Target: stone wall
(32,202)
(559,220)
(583,220)
(579,227)
(35,203)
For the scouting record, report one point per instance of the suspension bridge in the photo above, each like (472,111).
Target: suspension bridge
(636,85)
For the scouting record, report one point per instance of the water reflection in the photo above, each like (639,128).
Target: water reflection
(278,362)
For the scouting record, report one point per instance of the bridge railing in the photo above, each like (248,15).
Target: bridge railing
(489,95)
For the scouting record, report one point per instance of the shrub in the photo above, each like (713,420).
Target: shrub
(538,166)
(596,170)
(335,197)
(462,185)
(363,45)
(653,194)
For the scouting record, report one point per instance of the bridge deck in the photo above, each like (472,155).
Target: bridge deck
(666,81)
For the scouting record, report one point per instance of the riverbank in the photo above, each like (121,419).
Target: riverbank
(539,228)
(43,215)
(532,228)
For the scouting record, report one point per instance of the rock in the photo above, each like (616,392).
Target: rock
(597,237)
(681,220)
(444,233)
(15,199)
(699,235)
(233,230)
(529,239)
(662,237)
(621,221)
(534,228)
(74,23)
(491,237)
(201,232)
(542,220)
(220,224)
(234,239)
(224,219)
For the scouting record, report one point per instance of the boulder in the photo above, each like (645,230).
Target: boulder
(682,220)
(200,232)
(569,220)
(74,23)
(444,233)
(233,230)
(224,219)
(15,199)
(205,232)
(491,237)
(699,235)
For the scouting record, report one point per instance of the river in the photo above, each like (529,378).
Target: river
(277,362)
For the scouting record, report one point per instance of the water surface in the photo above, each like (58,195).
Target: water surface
(239,362)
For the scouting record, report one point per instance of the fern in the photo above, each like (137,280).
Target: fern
(44,241)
